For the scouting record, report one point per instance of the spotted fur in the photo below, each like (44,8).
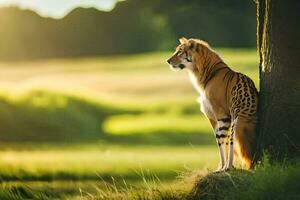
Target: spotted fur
(228,99)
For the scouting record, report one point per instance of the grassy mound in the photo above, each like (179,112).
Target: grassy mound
(268,182)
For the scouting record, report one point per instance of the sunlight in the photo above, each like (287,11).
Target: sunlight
(56,8)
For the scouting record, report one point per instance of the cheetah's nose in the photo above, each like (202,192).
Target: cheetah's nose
(169,61)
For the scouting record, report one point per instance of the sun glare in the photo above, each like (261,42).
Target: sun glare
(57,8)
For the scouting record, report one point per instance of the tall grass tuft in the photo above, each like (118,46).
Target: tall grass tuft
(21,193)
(151,189)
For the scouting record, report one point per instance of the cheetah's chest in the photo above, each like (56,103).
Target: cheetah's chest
(206,106)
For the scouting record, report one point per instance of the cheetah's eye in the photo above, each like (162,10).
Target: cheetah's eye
(186,56)
(189,58)
(179,53)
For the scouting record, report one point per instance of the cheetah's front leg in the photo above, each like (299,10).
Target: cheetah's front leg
(222,154)
(223,126)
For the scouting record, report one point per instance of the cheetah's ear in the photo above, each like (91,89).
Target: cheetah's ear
(183,40)
(193,45)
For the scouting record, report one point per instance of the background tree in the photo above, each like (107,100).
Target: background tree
(278,33)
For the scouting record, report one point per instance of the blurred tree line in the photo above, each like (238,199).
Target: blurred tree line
(132,26)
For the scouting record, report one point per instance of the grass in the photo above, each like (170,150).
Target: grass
(62,171)
(278,181)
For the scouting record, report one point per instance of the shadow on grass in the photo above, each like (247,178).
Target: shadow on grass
(92,176)
(48,116)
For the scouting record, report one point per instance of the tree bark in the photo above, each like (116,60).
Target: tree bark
(278,42)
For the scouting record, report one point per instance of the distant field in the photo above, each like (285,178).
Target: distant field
(65,120)
(143,76)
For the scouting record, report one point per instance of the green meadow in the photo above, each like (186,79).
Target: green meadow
(86,127)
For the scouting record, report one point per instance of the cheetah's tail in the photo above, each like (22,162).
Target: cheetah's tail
(246,142)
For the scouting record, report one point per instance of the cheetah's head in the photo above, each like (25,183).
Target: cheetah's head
(194,55)
(184,55)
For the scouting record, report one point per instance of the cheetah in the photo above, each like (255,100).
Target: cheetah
(227,98)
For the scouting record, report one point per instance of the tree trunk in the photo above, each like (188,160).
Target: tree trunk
(278,42)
